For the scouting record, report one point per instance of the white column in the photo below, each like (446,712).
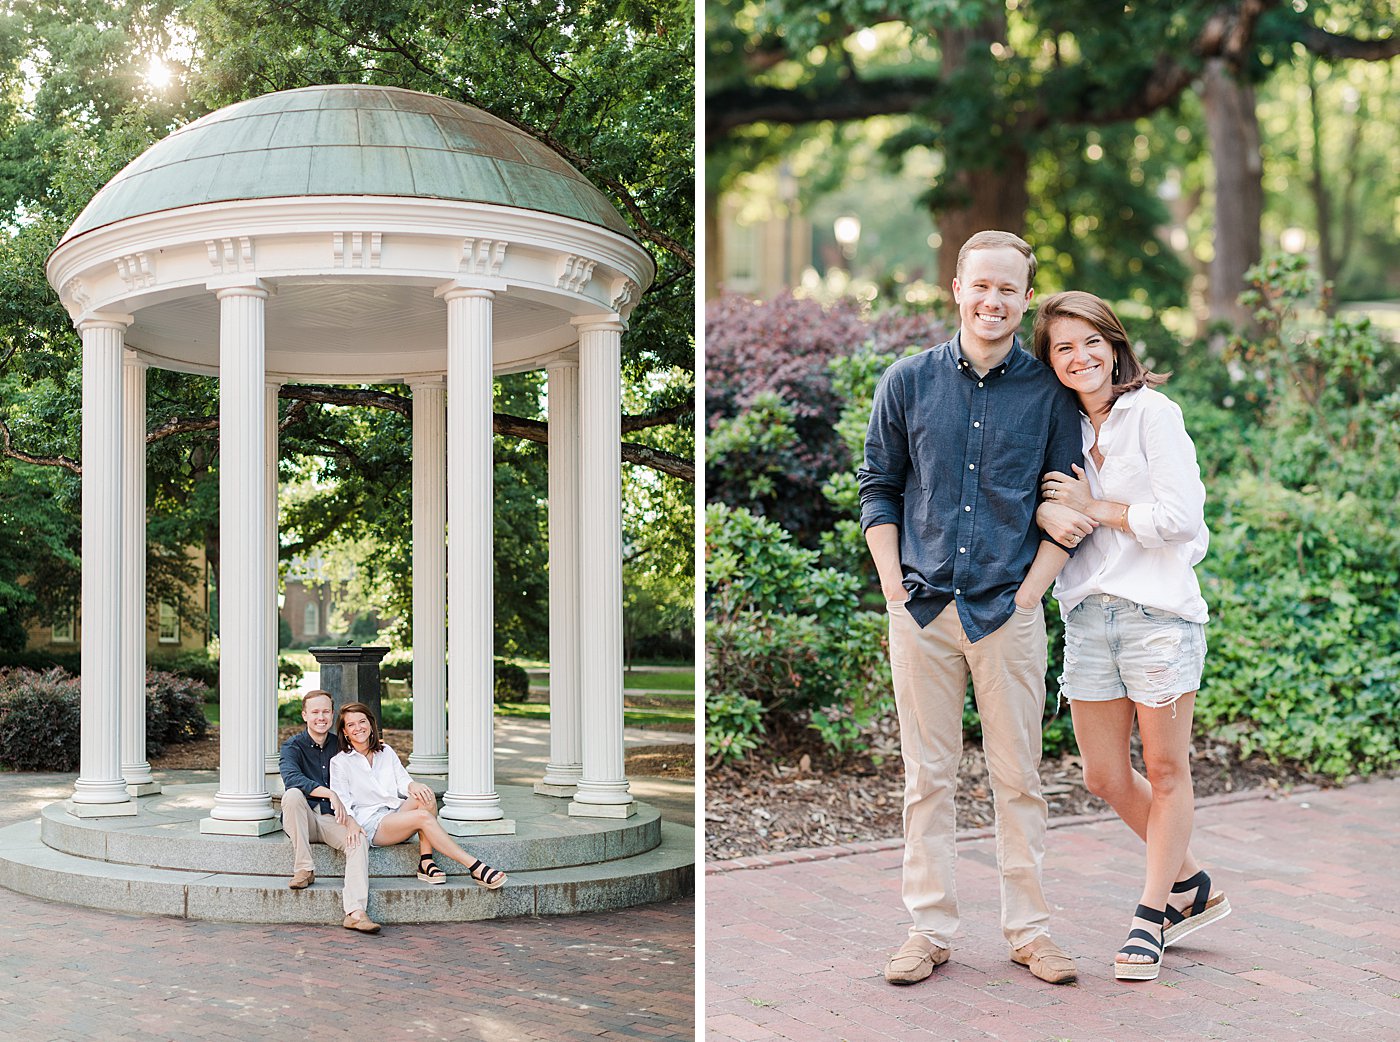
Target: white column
(242,805)
(100,790)
(429,578)
(565,766)
(470,805)
(272,749)
(602,789)
(135,767)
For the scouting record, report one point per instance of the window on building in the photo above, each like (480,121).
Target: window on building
(65,628)
(311,619)
(168,624)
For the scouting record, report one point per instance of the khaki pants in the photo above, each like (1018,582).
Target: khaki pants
(305,826)
(930,668)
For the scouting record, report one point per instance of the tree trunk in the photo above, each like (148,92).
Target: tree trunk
(714,247)
(995,194)
(1233,128)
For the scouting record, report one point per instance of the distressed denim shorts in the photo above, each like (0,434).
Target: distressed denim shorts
(1115,648)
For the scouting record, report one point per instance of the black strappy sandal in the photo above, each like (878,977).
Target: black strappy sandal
(1142,970)
(1202,911)
(428,870)
(484,875)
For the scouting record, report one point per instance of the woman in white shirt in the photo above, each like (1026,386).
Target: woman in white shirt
(1134,616)
(388,804)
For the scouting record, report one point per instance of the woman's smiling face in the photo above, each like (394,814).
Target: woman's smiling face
(357,728)
(1081,356)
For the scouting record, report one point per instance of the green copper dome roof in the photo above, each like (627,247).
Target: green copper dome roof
(349,140)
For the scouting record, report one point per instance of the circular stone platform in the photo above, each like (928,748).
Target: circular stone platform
(158,862)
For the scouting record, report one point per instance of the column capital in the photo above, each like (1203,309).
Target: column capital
(560,363)
(240,285)
(130,357)
(428,382)
(273,382)
(103,320)
(470,287)
(607,322)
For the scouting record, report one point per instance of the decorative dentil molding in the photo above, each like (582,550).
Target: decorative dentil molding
(574,272)
(624,294)
(231,255)
(137,270)
(356,249)
(483,256)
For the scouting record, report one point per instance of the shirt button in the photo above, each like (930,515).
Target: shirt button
(976,423)
(957,593)
(979,383)
(972,466)
(967,508)
(962,549)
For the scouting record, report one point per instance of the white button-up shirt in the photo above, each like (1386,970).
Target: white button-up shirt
(1149,463)
(364,787)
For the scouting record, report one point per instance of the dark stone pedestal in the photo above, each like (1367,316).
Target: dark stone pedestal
(351,674)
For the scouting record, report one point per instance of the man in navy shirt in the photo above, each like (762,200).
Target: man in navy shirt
(312,813)
(959,436)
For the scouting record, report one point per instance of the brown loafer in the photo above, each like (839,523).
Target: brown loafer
(915,960)
(360,921)
(1044,958)
(302,880)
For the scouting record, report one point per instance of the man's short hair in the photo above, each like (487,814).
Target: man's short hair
(994,240)
(315,694)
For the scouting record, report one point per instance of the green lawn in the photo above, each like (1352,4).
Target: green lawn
(683,680)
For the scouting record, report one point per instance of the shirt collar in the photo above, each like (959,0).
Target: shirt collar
(965,367)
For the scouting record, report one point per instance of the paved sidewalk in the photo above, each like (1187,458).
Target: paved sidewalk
(74,974)
(796,951)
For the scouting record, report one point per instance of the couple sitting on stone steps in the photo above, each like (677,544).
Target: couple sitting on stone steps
(347,789)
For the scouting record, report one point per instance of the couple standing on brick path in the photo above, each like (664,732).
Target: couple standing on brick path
(962,437)
(347,789)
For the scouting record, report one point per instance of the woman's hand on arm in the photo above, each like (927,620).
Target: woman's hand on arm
(1063,490)
(423,794)
(1063,523)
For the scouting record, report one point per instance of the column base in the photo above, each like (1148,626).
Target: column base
(150,788)
(100,810)
(224,827)
(496,827)
(549,789)
(429,765)
(602,810)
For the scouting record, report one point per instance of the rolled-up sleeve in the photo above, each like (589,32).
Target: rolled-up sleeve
(340,782)
(293,771)
(882,475)
(1177,510)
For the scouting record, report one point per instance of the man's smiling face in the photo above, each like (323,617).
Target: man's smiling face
(992,294)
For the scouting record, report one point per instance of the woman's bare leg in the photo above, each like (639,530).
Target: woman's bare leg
(1103,731)
(401,824)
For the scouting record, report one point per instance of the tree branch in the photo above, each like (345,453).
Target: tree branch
(1335,47)
(734,107)
(10,452)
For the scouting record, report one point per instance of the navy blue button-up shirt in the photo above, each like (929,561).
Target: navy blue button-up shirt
(305,765)
(954,459)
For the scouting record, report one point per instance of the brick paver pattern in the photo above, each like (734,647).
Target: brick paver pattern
(71,974)
(796,951)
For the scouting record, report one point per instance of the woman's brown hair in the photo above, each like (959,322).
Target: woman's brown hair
(376,740)
(1128,371)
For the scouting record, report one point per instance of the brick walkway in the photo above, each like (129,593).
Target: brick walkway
(73,975)
(796,951)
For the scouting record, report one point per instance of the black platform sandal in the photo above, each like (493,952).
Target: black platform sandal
(1142,970)
(1202,911)
(428,870)
(484,875)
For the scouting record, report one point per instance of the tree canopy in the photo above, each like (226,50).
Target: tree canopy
(87,85)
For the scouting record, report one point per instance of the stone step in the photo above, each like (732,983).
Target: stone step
(164,833)
(29,866)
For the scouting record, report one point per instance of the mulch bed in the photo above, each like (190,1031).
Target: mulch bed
(800,800)
(666,761)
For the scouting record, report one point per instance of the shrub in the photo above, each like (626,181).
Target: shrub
(773,439)
(174,710)
(733,726)
(512,683)
(289,674)
(39,717)
(196,665)
(42,661)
